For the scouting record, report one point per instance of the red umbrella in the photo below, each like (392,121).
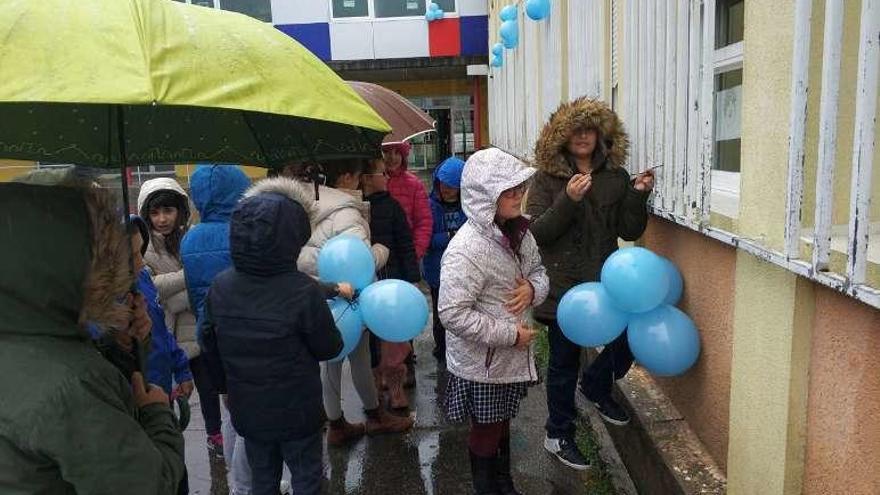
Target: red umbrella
(406,120)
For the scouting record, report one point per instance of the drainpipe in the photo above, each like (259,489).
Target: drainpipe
(476,73)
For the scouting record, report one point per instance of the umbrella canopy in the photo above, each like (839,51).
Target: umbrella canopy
(112,82)
(407,120)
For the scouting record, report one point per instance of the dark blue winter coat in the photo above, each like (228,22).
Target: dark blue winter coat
(167,363)
(269,323)
(448,218)
(215,190)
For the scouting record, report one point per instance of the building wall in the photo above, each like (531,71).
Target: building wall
(10,169)
(708,267)
(843,421)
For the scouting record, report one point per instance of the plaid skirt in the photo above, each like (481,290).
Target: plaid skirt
(482,402)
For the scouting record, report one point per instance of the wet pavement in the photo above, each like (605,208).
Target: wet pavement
(430,460)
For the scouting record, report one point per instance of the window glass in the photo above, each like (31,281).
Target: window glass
(350,8)
(446,5)
(728,121)
(399,8)
(258,9)
(729,22)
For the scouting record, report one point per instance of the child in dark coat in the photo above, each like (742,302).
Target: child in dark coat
(389,227)
(270,325)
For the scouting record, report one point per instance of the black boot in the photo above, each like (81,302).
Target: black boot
(503,478)
(483,473)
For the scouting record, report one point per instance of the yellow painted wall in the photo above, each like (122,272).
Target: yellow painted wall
(768,41)
(769,379)
(10,169)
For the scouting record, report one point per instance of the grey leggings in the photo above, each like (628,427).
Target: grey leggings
(361,376)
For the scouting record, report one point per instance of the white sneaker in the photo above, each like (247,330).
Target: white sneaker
(285,487)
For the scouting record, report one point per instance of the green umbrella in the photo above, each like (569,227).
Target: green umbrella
(125,82)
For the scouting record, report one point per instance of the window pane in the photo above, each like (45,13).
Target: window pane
(204,3)
(258,9)
(400,8)
(350,8)
(446,5)
(729,22)
(728,121)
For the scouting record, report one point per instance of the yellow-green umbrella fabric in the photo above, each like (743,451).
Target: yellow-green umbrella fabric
(102,82)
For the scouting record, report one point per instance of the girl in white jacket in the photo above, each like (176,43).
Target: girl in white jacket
(340,211)
(491,274)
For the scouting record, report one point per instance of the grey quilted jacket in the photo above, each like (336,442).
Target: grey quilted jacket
(478,274)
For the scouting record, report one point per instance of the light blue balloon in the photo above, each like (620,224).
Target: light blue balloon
(665,341)
(587,316)
(537,9)
(497,49)
(396,311)
(434,6)
(509,34)
(676,283)
(439,14)
(350,324)
(508,13)
(636,279)
(346,258)
(497,61)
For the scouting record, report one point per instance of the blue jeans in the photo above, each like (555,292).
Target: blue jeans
(302,456)
(597,380)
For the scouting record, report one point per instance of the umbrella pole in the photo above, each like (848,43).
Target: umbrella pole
(138,350)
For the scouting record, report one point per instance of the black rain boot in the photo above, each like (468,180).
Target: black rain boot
(503,478)
(483,473)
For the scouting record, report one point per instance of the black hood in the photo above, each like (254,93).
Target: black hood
(267,232)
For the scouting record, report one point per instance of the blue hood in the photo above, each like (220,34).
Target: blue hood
(216,190)
(266,234)
(449,173)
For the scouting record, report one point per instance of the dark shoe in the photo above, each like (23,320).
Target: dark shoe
(483,474)
(567,452)
(342,432)
(611,411)
(503,478)
(379,422)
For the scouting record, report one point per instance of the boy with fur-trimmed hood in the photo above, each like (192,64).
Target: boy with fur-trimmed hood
(581,202)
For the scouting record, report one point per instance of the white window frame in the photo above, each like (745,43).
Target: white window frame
(726,185)
(371,14)
(218,6)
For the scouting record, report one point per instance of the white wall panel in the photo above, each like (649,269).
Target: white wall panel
(401,38)
(352,40)
(300,11)
(472,7)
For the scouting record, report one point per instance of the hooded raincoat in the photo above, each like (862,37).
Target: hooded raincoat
(447,218)
(479,271)
(68,423)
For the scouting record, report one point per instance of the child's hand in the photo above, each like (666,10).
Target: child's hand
(345,290)
(524,335)
(185,389)
(521,297)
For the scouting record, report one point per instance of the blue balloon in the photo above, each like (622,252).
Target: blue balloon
(497,49)
(396,311)
(346,258)
(497,61)
(537,9)
(350,324)
(676,283)
(434,6)
(508,13)
(587,316)
(636,278)
(439,14)
(509,34)
(429,15)
(665,341)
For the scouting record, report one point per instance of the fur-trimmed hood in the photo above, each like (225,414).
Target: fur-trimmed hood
(290,188)
(66,260)
(582,112)
(270,226)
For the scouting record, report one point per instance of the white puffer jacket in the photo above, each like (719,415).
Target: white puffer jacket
(478,273)
(167,273)
(338,213)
